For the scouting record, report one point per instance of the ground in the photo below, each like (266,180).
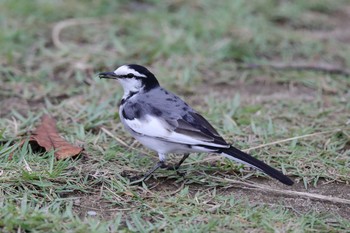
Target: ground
(271,76)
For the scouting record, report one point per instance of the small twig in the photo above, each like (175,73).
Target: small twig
(100,209)
(146,190)
(123,143)
(68,23)
(119,198)
(326,68)
(26,165)
(101,191)
(15,124)
(177,190)
(246,185)
(115,137)
(291,139)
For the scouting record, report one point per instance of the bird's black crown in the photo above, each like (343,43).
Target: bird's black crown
(150,81)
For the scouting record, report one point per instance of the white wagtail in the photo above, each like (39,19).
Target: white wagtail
(163,122)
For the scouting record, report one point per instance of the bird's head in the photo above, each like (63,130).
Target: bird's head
(133,78)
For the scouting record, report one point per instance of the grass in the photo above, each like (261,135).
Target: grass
(195,49)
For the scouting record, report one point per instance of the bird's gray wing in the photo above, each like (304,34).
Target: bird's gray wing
(194,125)
(181,118)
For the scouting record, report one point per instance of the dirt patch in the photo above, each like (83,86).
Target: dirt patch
(23,106)
(91,205)
(13,103)
(335,26)
(298,205)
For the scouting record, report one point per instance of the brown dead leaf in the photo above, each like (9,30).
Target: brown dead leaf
(46,135)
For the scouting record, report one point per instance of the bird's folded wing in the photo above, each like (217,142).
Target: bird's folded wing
(182,131)
(196,125)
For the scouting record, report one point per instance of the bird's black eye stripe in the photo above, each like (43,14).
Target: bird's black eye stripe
(130,75)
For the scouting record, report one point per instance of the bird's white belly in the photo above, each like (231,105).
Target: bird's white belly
(164,147)
(157,144)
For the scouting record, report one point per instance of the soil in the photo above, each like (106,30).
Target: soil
(262,90)
(84,204)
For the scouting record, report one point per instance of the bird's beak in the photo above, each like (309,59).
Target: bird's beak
(109,75)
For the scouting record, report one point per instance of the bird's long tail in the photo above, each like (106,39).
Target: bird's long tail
(239,156)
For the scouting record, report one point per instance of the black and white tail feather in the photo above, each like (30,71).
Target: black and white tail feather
(239,156)
(163,122)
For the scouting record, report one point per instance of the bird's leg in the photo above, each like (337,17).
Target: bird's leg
(160,164)
(182,160)
(176,167)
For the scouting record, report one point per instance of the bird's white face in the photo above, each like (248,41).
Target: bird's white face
(130,79)
(133,78)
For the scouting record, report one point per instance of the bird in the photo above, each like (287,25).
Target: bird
(166,124)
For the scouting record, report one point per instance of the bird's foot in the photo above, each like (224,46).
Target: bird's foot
(175,168)
(133,179)
(182,174)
